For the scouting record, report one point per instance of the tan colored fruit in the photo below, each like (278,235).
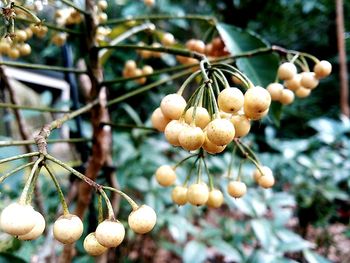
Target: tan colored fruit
(156,54)
(168,39)
(102,17)
(37,230)
(198,194)
(309,80)
(29,32)
(13,53)
(287,97)
(275,90)
(216,198)
(130,65)
(92,247)
(242,125)
(202,117)
(322,69)
(102,4)
(59,39)
(302,92)
(142,220)
(191,138)
(257,174)
(236,80)
(179,195)
(24,49)
(17,219)
(149,2)
(68,228)
(110,233)
(21,35)
(220,132)
(256,100)
(146,69)
(4,47)
(286,71)
(265,180)
(199,46)
(159,121)
(172,106)
(230,100)
(255,115)
(236,189)
(138,72)
(212,148)
(293,83)
(172,131)
(165,175)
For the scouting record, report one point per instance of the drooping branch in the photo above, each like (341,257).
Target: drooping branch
(41,67)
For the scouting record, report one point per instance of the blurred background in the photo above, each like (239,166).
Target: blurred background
(304,218)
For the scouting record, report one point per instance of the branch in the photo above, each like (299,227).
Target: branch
(42,67)
(208,19)
(31,108)
(20,156)
(31,142)
(125,126)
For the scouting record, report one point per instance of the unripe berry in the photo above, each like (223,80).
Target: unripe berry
(265,180)
(255,115)
(230,100)
(17,219)
(275,90)
(309,80)
(293,83)
(242,125)
(130,65)
(220,132)
(236,189)
(68,228)
(168,39)
(138,72)
(257,174)
(142,220)
(191,138)
(159,121)
(302,92)
(4,47)
(102,17)
(110,233)
(179,195)
(212,148)
(59,39)
(165,175)
(286,71)
(216,198)
(13,53)
(322,69)
(21,35)
(172,131)
(24,49)
(102,4)
(147,69)
(287,97)
(156,54)
(29,32)
(37,230)
(149,2)
(198,194)
(256,100)
(172,106)
(202,117)
(92,247)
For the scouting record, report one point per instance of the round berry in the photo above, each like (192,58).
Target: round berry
(293,83)
(242,125)
(37,230)
(309,80)
(191,138)
(59,39)
(17,219)
(236,189)
(142,220)
(255,115)
(4,47)
(216,198)
(24,49)
(110,233)
(256,100)
(130,65)
(212,148)
(202,117)
(147,69)
(172,131)
(302,92)
(21,35)
(102,4)
(172,106)
(265,180)
(168,39)
(159,121)
(220,132)
(68,228)
(138,72)
(92,247)
(230,100)
(149,2)
(275,90)
(257,174)
(102,17)
(286,71)
(287,97)
(13,53)
(198,194)
(179,195)
(322,69)
(165,175)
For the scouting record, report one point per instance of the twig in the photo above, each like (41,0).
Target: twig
(30,142)
(42,67)
(31,108)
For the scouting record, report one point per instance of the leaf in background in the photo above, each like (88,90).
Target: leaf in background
(260,69)
(262,230)
(7,258)
(312,257)
(194,252)
(275,113)
(226,250)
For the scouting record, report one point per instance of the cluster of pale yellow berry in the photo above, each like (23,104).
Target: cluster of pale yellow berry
(200,194)
(23,222)
(297,84)
(131,70)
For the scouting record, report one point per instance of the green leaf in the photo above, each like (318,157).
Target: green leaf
(261,69)
(8,258)
(194,252)
(226,249)
(312,257)
(275,113)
